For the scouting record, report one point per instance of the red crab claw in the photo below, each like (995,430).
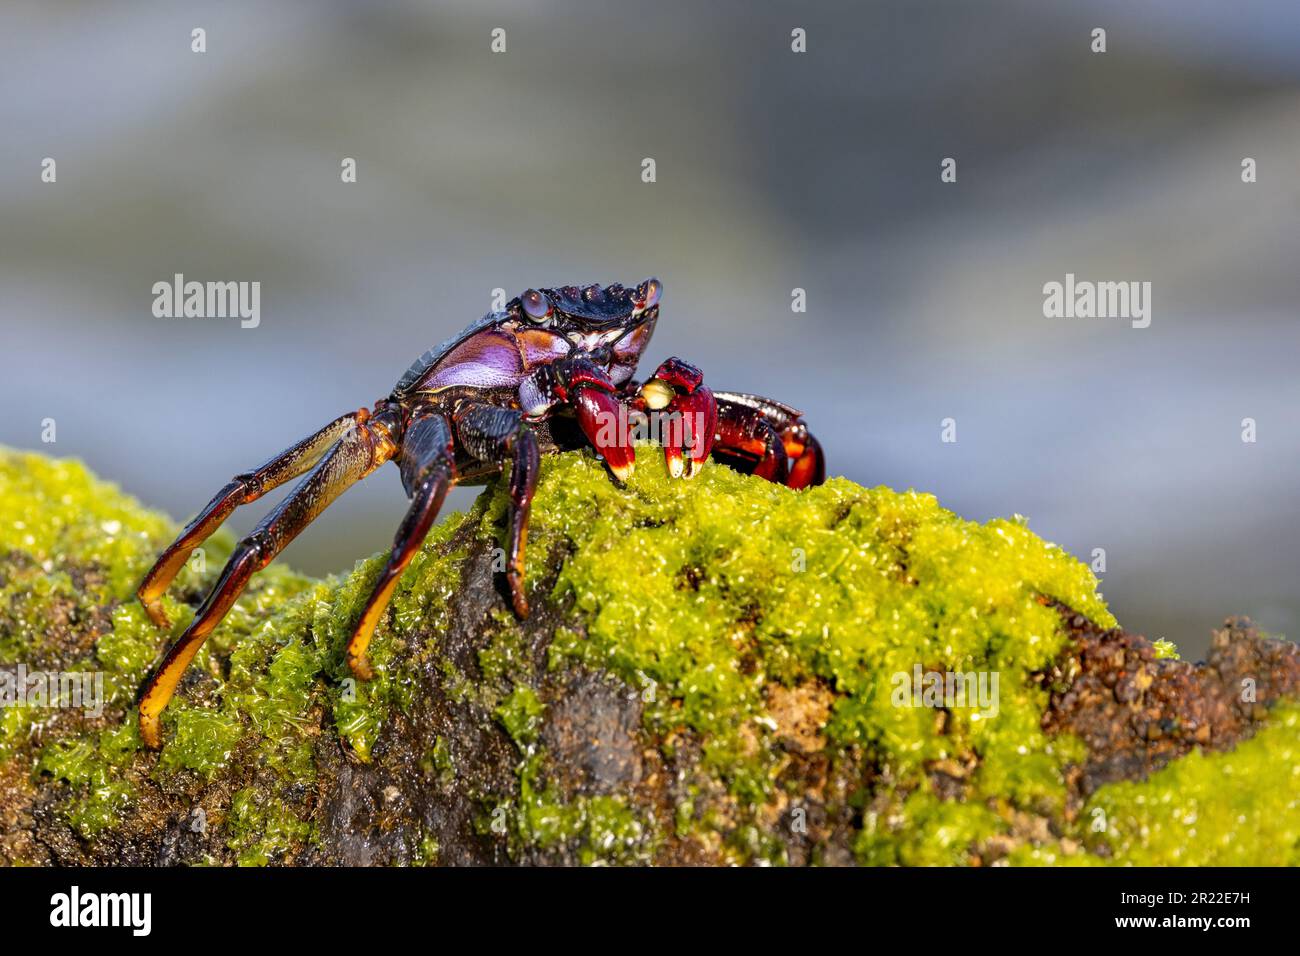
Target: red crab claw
(699,415)
(602,416)
(693,423)
(603,419)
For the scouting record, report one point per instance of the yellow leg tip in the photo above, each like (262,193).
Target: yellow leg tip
(153,609)
(150,731)
(360,667)
(517,596)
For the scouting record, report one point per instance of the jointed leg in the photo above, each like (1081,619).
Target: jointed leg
(809,466)
(241,490)
(492,433)
(427,460)
(772,462)
(351,458)
(768,439)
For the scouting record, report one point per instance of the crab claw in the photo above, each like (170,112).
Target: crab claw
(676,387)
(700,413)
(603,419)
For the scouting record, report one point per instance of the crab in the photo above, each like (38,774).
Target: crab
(551,372)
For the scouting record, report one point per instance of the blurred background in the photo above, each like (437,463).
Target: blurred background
(775,170)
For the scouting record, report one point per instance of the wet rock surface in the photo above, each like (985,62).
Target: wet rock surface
(1137,712)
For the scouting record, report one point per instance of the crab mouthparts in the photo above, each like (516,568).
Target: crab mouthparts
(596,341)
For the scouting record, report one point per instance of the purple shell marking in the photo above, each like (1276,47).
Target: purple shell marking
(492,357)
(489,359)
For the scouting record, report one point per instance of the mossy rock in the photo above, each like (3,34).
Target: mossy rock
(711,674)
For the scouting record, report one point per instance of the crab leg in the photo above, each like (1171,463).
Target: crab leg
(492,433)
(241,490)
(427,460)
(768,439)
(352,456)
(809,466)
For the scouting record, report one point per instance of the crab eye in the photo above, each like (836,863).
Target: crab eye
(535,305)
(653,289)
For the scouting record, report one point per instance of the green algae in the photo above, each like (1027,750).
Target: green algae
(58,513)
(1165,650)
(93,768)
(259,830)
(702,595)
(127,650)
(598,829)
(439,763)
(713,589)
(76,544)
(200,740)
(16,726)
(505,655)
(603,829)
(426,851)
(1239,808)
(521,714)
(924,831)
